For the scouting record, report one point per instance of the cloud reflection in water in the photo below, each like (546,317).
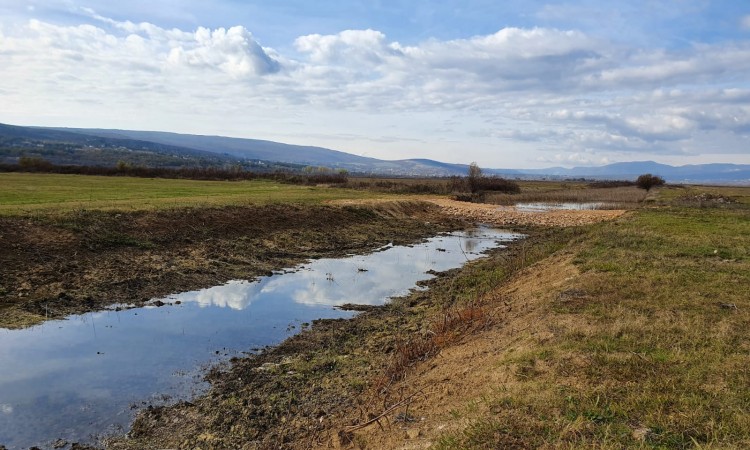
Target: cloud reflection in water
(364,279)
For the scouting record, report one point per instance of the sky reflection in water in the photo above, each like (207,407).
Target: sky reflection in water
(73,378)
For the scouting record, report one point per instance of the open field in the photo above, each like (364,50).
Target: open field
(623,334)
(27,193)
(639,338)
(627,333)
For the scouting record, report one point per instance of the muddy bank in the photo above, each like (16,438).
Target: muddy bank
(317,387)
(54,266)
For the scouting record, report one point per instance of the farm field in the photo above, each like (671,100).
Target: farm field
(26,193)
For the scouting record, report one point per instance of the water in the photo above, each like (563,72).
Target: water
(545,207)
(85,377)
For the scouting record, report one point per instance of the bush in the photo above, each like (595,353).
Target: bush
(647,181)
(497,184)
(609,184)
(479,183)
(34,164)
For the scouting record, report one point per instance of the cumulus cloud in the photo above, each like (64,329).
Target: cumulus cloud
(233,51)
(349,46)
(536,86)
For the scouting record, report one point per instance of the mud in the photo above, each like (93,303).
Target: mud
(303,393)
(54,266)
(306,392)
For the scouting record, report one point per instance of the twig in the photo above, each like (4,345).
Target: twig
(392,408)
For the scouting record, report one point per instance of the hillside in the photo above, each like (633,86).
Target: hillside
(163,149)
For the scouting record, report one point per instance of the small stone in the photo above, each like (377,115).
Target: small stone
(413,433)
(60,443)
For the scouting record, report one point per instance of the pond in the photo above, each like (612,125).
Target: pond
(85,377)
(570,206)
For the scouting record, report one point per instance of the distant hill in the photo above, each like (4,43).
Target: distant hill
(256,149)
(69,147)
(106,147)
(704,173)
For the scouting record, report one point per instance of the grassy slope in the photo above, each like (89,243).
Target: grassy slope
(651,342)
(22,193)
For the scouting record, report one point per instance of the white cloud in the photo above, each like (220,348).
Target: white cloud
(540,87)
(234,51)
(745,22)
(350,46)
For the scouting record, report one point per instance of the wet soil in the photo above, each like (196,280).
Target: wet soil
(312,389)
(54,266)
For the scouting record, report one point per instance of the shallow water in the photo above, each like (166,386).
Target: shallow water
(545,207)
(85,377)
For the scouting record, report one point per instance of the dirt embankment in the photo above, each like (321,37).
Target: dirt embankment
(51,267)
(509,216)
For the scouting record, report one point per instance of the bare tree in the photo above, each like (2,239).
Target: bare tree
(474,177)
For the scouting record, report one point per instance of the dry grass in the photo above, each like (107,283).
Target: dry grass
(646,348)
(455,323)
(615,198)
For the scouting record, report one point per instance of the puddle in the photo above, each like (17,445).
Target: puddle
(546,207)
(86,377)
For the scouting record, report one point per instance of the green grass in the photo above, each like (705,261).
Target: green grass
(656,351)
(26,193)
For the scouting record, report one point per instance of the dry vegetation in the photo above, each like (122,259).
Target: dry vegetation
(623,334)
(53,265)
(627,334)
(621,197)
(633,336)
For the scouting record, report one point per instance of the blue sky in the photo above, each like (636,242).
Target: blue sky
(506,84)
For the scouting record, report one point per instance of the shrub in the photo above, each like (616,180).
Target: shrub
(498,184)
(647,181)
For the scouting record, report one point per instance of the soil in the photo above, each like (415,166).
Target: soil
(51,267)
(338,374)
(472,369)
(511,217)
(327,386)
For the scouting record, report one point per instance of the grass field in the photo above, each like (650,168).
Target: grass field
(22,193)
(650,346)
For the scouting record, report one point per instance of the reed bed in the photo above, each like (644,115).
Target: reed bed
(610,197)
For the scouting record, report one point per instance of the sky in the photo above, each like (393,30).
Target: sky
(506,84)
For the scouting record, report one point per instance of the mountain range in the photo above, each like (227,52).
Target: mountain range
(107,147)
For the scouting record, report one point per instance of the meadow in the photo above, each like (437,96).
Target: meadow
(646,346)
(22,193)
(624,334)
